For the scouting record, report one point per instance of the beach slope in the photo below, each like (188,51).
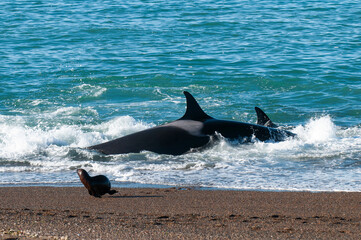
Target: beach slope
(177,213)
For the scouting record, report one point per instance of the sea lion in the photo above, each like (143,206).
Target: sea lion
(97,185)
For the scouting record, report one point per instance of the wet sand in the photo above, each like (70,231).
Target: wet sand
(172,213)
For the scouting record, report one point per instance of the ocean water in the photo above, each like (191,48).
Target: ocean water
(78,73)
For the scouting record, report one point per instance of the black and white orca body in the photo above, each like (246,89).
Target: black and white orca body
(194,130)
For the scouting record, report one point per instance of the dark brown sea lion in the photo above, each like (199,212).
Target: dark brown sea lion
(97,185)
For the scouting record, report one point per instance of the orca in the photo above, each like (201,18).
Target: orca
(193,131)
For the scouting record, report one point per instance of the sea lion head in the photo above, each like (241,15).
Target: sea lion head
(84,177)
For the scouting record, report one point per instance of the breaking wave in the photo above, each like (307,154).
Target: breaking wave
(323,156)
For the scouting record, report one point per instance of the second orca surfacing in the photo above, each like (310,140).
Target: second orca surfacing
(194,130)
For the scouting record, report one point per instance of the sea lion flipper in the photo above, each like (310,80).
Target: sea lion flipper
(111,192)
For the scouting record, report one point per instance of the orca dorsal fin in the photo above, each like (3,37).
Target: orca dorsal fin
(194,111)
(263,119)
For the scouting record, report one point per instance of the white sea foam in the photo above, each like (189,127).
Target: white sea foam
(323,157)
(71,111)
(87,90)
(17,139)
(120,126)
(317,130)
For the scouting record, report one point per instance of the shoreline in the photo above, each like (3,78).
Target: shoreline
(169,213)
(136,185)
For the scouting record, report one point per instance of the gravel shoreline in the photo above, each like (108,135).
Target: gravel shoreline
(172,213)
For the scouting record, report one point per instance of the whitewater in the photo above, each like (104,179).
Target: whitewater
(323,156)
(78,73)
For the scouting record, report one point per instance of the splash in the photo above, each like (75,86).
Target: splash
(324,157)
(317,130)
(19,139)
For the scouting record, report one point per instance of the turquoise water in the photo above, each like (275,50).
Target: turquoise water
(76,73)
